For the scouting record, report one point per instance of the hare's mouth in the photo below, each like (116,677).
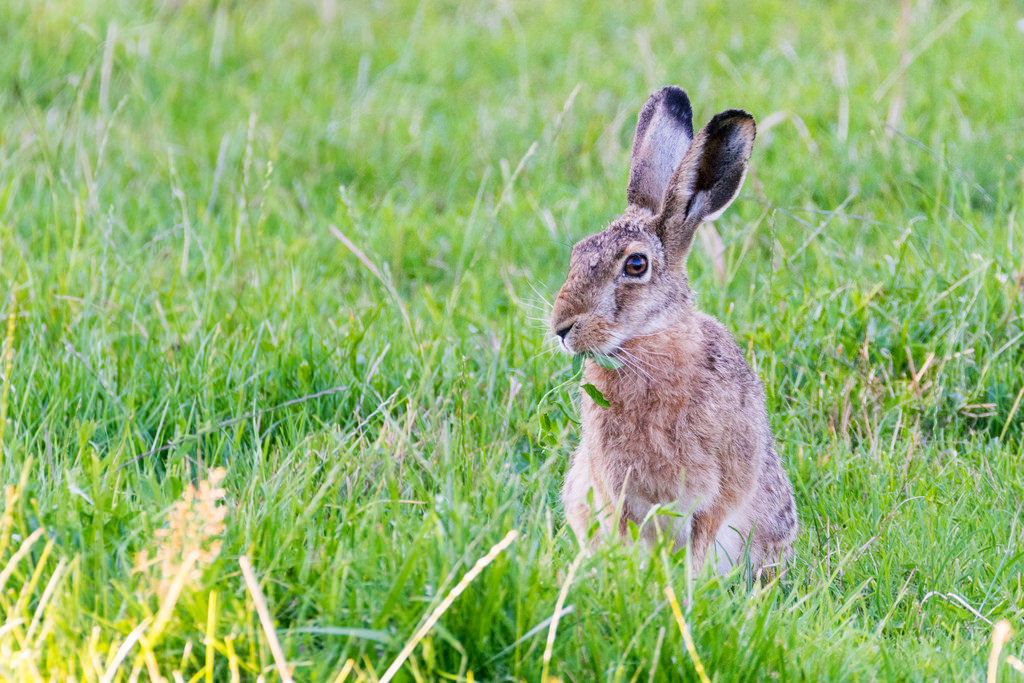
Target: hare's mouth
(583,334)
(606,349)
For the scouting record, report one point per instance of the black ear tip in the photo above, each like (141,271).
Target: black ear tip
(676,101)
(731,119)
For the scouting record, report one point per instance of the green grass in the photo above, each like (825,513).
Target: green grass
(169,173)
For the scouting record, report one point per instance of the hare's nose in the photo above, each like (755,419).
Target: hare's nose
(564,332)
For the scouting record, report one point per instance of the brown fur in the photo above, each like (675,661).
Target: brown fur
(686,428)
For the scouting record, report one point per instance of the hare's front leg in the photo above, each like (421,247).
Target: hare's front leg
(706,524)
(578,493)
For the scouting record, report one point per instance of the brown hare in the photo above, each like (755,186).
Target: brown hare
(686,429)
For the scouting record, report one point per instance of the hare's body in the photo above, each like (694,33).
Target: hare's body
(686,433)
(686,429)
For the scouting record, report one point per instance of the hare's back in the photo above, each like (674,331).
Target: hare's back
(725,364)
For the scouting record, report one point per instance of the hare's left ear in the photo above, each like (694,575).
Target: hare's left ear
(707,181)
(664,130)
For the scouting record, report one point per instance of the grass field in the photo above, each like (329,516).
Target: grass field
(312,244)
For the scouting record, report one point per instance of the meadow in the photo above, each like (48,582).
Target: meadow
(277,394)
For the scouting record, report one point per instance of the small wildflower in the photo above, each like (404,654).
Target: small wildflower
(194,525)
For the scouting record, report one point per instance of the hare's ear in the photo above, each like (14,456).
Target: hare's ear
(663,134)
(707,180)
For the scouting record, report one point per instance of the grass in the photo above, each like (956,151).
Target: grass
(385,406)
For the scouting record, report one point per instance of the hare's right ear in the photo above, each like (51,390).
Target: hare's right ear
(664,131)
(707,180)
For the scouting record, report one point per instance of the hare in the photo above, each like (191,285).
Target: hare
(686,429)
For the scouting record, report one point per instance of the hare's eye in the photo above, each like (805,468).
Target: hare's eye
(636,265)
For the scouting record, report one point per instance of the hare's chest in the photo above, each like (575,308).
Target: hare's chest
(646,453)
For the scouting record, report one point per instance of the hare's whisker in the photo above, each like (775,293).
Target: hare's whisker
(539,294)
(640,360)
(629,362)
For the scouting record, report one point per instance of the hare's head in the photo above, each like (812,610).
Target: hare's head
(630,279)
